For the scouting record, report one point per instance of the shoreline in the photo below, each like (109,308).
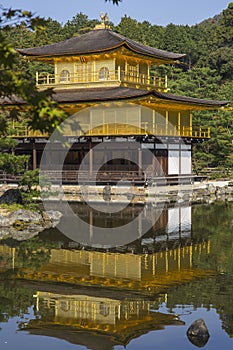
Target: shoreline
(193,193)
(22,224)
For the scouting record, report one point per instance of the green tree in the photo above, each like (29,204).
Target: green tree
(42,109)
(78,25)
(40,105)
(222,61)
(197,82)
(129,27)
(224,32)
(142,32)
(222,49)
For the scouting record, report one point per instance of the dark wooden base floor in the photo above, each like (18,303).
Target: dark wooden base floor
(135,178)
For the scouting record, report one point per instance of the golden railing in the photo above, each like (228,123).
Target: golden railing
(94,78)
(121,130)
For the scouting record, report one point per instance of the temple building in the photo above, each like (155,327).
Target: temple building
(106,81)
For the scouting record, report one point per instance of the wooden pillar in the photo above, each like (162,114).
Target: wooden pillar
(119,73)
(139,161)
(37,301)
(90,160)
(91,225)
(153,123)
(191,257)
(56,80)
(154,163)
(167,115)
(180,155)
(191,124)
(34,160)
(178,124)
(166,261)
(178,259)
(126,67)
(165,83)
(139,226)
(148,73)
(153,264)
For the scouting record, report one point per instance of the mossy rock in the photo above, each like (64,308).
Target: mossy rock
(20,225)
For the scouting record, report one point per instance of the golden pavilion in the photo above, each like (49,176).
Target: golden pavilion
(106,80)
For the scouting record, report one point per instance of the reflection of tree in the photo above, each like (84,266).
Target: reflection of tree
(208,293)
(214,222)
(14,300)
(34,253)
(211,222)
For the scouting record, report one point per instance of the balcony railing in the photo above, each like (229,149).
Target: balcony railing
(111,78)
(121,130)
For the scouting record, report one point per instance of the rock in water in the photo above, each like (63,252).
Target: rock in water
(11,196)
(198,328)
(198,333)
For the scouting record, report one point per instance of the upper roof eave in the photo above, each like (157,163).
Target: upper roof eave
(97,41)
(27,53)
(147,55)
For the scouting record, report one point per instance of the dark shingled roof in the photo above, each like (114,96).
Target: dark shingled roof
(97,41)
(191,100)
(98,94)
(118,94)
(122,93)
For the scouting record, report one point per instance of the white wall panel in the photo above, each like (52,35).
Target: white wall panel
(173,162)
(186,218)
(186,162)
(173,220)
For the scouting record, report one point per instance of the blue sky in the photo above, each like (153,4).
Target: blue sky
(154,11)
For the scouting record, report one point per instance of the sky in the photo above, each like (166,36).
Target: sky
(160,12)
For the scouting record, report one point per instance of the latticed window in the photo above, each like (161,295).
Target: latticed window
(132,72)
(84,72)
(65,76)
(65,305)
(104,309)
(104,73)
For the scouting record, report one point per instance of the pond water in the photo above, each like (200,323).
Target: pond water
(59,294)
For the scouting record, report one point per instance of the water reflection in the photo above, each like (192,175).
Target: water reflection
(148,273)
(102,298)
(100,229)
(113,319)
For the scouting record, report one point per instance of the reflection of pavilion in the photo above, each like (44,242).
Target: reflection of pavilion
(109,318)
(7,255)
(173,259)
(147,273)
(101,299)
(154,225)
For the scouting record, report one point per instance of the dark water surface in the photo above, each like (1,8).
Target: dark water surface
(57,294)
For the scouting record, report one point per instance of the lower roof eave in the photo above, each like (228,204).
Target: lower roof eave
(115,94)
